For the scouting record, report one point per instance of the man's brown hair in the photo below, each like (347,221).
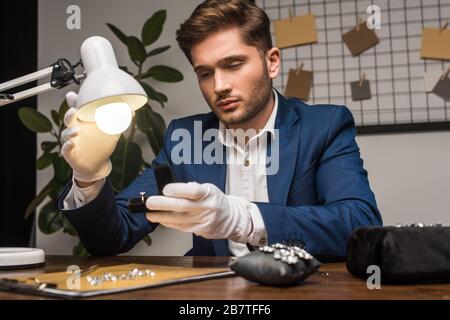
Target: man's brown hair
(214,15)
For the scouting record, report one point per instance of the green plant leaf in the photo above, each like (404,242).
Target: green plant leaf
(119,34)
(50,218)
(126,163)
(165,74)
(55,117)
(148,240)
(38,199)
(136,49)
(62,169)
(153,94)
(156,51)
(153,27)
(48,146)
(153,125)
(45,160)
(57,187)
(80,250)
(34,120)
(67,227)
(63,109)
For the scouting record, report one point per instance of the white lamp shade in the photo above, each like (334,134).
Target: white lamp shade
(105,82)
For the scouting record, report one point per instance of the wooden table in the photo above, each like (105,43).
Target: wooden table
(339,284)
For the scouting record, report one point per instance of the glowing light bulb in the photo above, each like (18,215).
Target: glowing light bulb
(113,118)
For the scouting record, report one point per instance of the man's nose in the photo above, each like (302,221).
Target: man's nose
(221,83)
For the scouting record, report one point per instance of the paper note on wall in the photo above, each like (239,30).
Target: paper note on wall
(431,78)
(360,90)
(435,44)
(295,31)
(360,39)
(442,89)
(299,84)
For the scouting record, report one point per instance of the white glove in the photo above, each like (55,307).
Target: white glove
(86,148)
(202,209)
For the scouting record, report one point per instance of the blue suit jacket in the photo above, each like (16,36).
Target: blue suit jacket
(319,195)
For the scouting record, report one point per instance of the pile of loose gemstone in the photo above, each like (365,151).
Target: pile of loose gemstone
(288,254)
(419,224)
(110,277)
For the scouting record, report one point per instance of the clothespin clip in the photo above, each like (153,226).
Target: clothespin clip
(443,27)
(359,21)
(362,79)
(445,74)
(299,69)
(291,15)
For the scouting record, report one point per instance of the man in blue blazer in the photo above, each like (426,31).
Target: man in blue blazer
(313,191)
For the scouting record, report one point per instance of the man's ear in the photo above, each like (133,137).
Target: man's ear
(273,61)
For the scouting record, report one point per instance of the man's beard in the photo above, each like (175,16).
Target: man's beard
(257,101)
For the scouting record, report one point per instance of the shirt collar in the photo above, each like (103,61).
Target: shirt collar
(225,136)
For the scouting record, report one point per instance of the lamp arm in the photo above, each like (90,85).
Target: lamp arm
(62,74)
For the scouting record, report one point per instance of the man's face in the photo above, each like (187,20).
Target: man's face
(232,76)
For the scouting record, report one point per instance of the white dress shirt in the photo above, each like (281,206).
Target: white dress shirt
(246,177)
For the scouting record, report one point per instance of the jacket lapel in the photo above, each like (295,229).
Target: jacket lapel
(278,184)
(214,173)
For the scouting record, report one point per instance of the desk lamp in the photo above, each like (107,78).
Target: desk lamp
(107,96)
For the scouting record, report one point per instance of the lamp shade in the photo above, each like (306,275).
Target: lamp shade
(105,83)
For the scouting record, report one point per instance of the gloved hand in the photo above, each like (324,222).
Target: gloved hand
(202,209)
(86,148)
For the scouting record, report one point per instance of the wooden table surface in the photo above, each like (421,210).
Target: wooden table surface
(339,284)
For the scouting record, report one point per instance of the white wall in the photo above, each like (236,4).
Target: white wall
(408,172)
(410,176)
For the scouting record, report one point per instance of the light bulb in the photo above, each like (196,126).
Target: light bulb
(113,118)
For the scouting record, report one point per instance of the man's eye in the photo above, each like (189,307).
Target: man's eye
(235,65)
(204,74)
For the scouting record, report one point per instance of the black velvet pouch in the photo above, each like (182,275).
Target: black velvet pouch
(406,254)
(268,267)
